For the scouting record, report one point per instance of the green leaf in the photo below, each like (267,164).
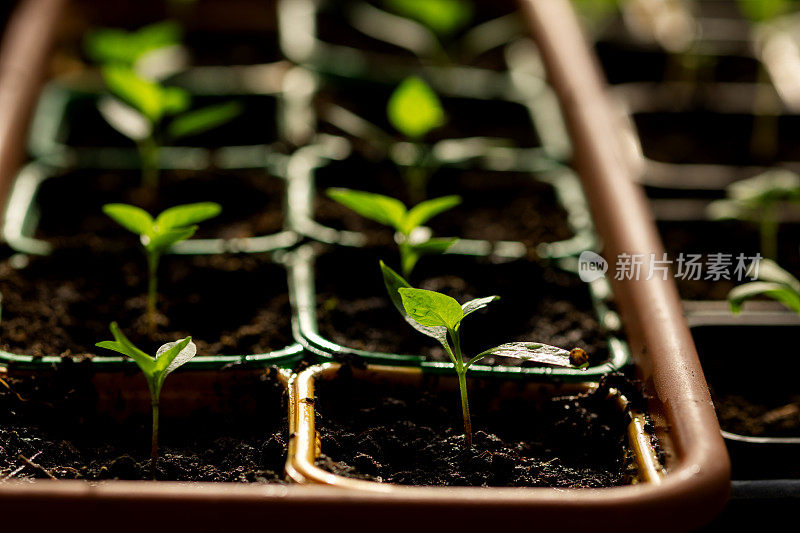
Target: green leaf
(443,17)
(150,98)
(528,351)
(477,304)
(771,186)
(414,109)
(130,217)
(394,282)
(431,308)
(122,345)
(411,253)
(776,291)
(377,207)
(201,120)
(184,215)
(763,10)
(125,119)
(769,270)
(125,48)
(161,241)
(424,211)
(174,354)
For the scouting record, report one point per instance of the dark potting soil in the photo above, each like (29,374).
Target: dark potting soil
(56,422)
(406,435)
(495,205)
(752,378)
(725,237)
(625,62)
(62,304)
(699,137)
(538,303)
(334,27)
(251,200)
(85,127)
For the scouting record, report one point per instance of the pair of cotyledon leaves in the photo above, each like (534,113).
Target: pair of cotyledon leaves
(172,225)
(169,357)
(141,104)
(435,314)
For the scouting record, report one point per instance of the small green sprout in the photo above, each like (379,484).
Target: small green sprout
(772,282)
(439,316)
(758,200)
(140,106)
(414,110)
(442,17)
(171,226)
(764,10)
(155,369)
(109,46)
(414,240)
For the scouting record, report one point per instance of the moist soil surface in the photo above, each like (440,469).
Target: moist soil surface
(537,303)
(495,205)
(753,395)
(725,237)
(62,304)
(55,421)
(252,203)
(400,434)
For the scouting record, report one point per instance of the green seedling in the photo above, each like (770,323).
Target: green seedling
(771,281)
(441,317)
(414,110)
(442,17)
(762,11)
(155,369)
(414,239)
(109,46)
(173,225)
(758,200)
(140,107)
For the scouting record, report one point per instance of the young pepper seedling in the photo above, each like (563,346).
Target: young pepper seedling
(157,235)
(155,369)
(758,200)
(771,281)
(414,239)
(439,316)
(414,110)
(139,107)
(111,46)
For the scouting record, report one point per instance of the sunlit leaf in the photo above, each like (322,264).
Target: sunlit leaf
(125,119)
(424,211)
(377,207)
(414,109)
(776,291)
(204,119)
(431,308)
(175,354)
(443,17)
(187,214)
(130,217)
(477,304)
(532,351)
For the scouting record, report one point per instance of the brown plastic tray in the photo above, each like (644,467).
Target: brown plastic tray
(301,466)
(697,481)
